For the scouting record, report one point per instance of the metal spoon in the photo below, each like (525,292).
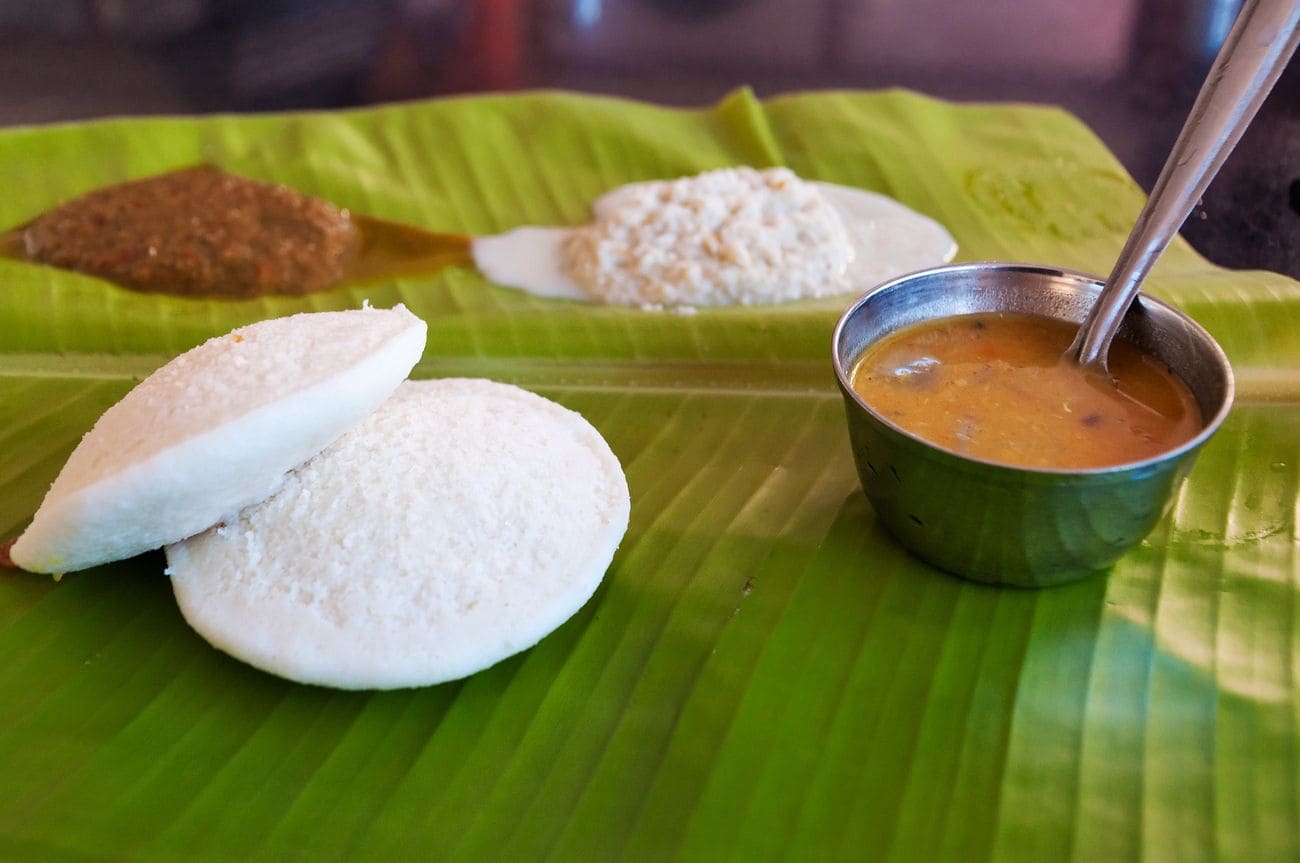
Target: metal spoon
(1262,40)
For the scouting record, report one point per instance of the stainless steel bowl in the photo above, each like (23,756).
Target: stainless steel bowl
(1007,525)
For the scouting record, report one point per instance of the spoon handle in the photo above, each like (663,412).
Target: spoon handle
(1253,56)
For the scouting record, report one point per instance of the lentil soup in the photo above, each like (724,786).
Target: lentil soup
(998,387)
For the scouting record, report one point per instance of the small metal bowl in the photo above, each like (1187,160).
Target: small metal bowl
(1007,525)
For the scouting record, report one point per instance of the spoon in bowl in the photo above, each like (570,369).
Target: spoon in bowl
(1257,49)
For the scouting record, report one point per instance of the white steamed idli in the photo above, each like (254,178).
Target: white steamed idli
(214,430)
(457,525)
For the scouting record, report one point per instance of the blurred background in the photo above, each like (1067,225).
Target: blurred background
(1128,68)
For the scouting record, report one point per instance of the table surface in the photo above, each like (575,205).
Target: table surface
(1129,68)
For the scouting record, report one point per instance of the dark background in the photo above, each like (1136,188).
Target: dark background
(1129,68)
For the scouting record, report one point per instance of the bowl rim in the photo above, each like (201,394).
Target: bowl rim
(1170,456)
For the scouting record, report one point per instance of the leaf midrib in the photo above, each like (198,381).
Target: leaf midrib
(1255,385)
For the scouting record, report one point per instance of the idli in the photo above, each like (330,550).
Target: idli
(216,429)
(456,525)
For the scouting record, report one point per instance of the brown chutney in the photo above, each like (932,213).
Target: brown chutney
(998,387)
(199,232)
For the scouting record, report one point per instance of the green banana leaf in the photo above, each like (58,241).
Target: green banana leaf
(763,674)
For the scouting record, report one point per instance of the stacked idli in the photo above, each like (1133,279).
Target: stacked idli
(329,521)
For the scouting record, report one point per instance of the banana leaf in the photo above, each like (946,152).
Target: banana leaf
(763,674)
